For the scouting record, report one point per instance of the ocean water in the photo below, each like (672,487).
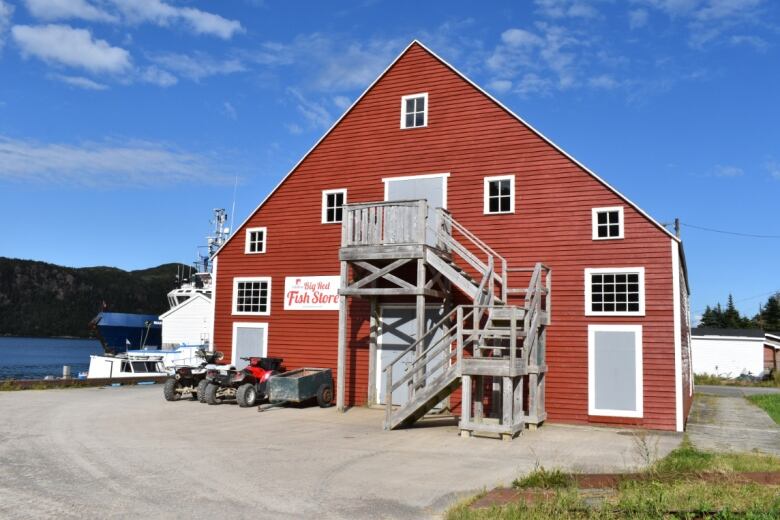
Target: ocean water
(36,358)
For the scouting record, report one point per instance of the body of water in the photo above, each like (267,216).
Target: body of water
(36,358)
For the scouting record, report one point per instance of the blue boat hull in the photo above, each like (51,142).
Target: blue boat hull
(119,332)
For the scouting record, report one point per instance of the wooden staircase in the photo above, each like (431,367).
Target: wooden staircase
(492,348)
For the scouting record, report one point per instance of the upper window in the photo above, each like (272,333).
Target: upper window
(607,223)
(255,240)
(615,291)
(414,111)
(252,296)
(500,194)
(333,205)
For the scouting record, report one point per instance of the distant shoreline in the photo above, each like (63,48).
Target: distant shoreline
(45,337)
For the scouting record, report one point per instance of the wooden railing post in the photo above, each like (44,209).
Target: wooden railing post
(512,335)
(422,220)
(459,337)
(388,395)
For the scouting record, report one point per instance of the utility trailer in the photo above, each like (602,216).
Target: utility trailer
(301,385)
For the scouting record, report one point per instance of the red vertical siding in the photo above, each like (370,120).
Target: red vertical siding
(471,137)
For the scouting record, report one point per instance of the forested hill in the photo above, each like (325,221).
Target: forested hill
(40,299)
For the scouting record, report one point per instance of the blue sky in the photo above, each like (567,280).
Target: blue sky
(123,123)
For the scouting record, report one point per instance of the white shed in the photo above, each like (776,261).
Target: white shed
(727,352)
(188,323)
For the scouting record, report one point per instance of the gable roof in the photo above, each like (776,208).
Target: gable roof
(737,333)
(485,93)
(194,297)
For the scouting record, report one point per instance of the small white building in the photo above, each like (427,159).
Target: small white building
(188,323)
(726,353)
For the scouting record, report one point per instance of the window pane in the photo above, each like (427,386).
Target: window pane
(409,121)
(330,215)
(493,205)
(338,216)
(602,232)
(419,119)
(493,189)
(504,187)
(614,217)
(338,199)
(614,230)
(420,104)
(409,106)
(505,204)
(601,218)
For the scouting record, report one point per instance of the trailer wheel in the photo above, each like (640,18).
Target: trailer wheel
(211,394)
(325,396)
(200,393)
(246,395)
(170,390)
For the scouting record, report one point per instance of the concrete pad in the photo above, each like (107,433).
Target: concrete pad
(733,424)
(126,453)
(735,391)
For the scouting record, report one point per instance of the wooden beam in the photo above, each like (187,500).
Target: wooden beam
(382,273)
(420,319)
(341,384)
(371,291)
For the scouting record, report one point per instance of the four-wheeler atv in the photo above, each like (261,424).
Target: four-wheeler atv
(191,379)
(248,386)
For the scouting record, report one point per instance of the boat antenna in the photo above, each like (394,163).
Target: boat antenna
(233,209)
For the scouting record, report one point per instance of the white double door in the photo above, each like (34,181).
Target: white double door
(398,330)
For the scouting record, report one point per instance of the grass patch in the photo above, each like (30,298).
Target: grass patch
(542,478)
(708,379)
(672,488)
(770,403)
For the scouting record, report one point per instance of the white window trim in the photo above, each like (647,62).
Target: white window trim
(592,410)
(251,279)
(403,110)
(236,325)
(324,213)
(609,270)
(486,191)
(247,241)
(594,222)
(444,176)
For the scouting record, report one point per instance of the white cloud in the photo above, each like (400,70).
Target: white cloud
(756,42)
(80,82)
(158,76)
(603,81)
(112,165)
(6,11)
(637,18)
(229,110)
(728,171)
(521,38)
(500,85)
(773,167)
(566,8)
(67,9)
(198,65)
(294,128)
(315,113)
(64,45)
(342,102)
(164,14)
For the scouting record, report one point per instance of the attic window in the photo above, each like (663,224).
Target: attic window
(414,110)
(333,205)
(255,241)
(499,196)
(608,223)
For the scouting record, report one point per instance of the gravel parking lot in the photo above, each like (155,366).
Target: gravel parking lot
(126,453)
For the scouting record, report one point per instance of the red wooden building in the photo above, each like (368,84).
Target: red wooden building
(481,269)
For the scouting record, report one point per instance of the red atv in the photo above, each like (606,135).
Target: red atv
(248,386)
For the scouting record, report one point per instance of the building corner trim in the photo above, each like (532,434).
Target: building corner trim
(678,390)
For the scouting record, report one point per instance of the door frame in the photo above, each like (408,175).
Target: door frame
(249,325)
(444,176)
(379,332)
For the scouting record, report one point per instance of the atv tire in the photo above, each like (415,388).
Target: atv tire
(325,396)
(211,394)
(170,389)
(246,396)
(200,393)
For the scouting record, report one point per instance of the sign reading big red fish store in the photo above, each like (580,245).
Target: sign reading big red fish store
(311,293)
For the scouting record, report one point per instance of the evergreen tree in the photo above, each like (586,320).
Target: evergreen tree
(770,314)
(730,317)
(709,319)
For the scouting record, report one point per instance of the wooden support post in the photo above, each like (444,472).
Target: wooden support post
(419,377)
(342,345)
(372,347)
(507,399)
(465,405)
(518,399)
(479,394)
